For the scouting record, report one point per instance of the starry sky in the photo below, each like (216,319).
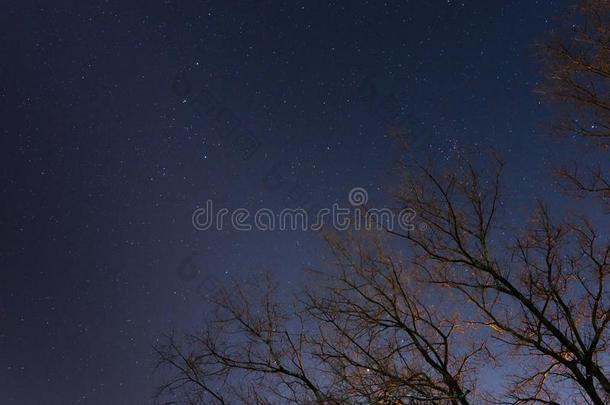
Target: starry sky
(108,145)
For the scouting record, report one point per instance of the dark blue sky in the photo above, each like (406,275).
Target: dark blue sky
(105,155)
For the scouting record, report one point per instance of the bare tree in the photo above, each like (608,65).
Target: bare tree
(388,335)
(381,329)
(361,336)
(543,291)
(576,68)
(253,350)
(472,291)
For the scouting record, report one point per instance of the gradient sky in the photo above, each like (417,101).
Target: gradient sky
(105,153)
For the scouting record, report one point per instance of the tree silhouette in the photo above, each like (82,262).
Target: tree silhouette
(576,61)
(423,316)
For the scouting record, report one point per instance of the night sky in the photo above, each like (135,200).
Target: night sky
(107,150)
